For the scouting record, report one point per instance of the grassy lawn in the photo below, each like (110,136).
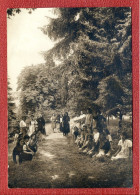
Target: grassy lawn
(58,164)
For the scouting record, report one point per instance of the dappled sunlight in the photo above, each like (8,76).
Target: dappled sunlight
(47,154)
(56,136)
(71,174)
(91,177)
(54,177)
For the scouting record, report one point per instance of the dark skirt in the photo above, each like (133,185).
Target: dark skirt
(22,156)
(33,148)
(66,128)
(25,157)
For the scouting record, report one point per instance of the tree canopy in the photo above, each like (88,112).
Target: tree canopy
(89,66)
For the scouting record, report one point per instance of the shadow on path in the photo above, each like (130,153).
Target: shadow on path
(58,164)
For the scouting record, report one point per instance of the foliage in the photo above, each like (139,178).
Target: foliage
(11,109)
(39,89)
(12,11)
(89,66)
(93,43)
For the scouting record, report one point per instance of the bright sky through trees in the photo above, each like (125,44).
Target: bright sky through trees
(25,41)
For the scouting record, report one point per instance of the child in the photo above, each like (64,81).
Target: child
(125,147)
(75,132)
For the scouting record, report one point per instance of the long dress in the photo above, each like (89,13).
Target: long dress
(53,122)
(61,123)
(66,126)
(31,128)
(41,125)
(125,146)
(100,123)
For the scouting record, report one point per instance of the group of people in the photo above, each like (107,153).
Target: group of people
(32,124)
(60,123)
(26,138)
(91,136)
(94,139)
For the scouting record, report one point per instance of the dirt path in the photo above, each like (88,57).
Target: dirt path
(58,164)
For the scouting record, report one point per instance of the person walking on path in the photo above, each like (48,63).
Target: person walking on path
(58,123)
(66,126)
(61,122)
(53,122)
(41,124)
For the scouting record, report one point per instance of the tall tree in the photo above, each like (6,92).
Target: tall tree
(92,43)
(39,88)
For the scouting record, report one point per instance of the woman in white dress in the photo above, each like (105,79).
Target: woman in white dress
(125,148)
(32,126)
(53,122)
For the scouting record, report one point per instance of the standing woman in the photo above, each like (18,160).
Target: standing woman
(22,124)
(58,123)
(41,124)
(32,126)
(61,122)
(53,121)
(66,126)
(89,119)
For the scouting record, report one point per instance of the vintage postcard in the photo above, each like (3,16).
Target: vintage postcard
(69,98)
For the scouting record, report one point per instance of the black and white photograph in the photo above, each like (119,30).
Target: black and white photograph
(69,88)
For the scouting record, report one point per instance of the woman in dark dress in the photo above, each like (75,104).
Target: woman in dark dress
(41,124)
(17,151)
(66,126)
(21,152)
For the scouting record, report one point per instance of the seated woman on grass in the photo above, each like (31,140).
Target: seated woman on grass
(87,146)
(125,148)
(75,132)
(80,139)
(17,151)
(33,143)
(22,152)
(83,137)
(104,145)
(95,147)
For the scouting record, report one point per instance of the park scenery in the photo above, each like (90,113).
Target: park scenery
(69,97)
